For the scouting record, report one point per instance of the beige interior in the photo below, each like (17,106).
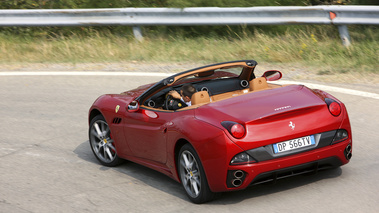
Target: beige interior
(200,97)
(258,84)
(261,85)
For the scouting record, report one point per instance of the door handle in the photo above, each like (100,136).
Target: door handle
(166,125)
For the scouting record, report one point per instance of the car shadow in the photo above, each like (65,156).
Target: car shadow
(165,184)
(141,173)
(280,186)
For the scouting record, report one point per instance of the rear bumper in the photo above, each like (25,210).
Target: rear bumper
(271,170)
(306,168)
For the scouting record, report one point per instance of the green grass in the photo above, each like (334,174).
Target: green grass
(305,48)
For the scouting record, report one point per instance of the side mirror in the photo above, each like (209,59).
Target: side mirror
(133,106)
(272,75)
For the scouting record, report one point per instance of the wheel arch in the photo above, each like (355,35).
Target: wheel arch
(212,146)
(106,139)
(178,145)
(93,113)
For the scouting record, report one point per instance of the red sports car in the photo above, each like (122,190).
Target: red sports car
(236,131)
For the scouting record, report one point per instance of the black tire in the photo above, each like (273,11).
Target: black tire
(101,142)
(192,176)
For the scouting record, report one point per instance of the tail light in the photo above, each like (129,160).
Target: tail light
(235,129)
(333,106)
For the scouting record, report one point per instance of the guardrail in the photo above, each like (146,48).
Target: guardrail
(136,17)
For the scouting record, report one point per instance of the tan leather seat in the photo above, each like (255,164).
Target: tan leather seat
(258,84)
(200,98)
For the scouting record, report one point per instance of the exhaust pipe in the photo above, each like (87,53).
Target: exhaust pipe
(349,156)
(348,148)
(236,182)
(235,178)
(348,151)
(238,174)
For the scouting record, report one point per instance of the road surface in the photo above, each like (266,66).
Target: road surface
(47,164)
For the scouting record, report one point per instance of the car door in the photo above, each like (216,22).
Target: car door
(145,132)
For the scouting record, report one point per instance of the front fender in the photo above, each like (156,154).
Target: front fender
(113,109)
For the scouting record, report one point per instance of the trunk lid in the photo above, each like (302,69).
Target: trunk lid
(272,115)
(259,105)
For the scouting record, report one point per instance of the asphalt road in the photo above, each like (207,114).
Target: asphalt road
(46,164)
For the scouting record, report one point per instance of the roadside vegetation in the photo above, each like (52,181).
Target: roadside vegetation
(313,46)
(317,46)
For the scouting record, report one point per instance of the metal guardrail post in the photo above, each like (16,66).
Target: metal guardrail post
(137,33)
(344,34)
(342,29)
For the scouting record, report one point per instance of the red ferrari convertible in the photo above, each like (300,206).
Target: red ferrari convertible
(236,131)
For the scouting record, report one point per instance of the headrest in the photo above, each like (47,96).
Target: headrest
(258,84)
(200,97)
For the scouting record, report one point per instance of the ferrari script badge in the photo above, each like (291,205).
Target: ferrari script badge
(117,108)
(292,125)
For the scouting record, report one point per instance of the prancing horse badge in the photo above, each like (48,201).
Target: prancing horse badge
(292,125)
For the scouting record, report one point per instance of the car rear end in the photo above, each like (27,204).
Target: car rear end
(290,131)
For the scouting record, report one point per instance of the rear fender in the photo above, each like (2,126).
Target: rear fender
(213,147)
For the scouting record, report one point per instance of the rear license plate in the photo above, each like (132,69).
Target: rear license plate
(294,144)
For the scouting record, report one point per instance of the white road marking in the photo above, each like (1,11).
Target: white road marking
(334,89)
(157,74)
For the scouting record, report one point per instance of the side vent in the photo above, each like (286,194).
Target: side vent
(116,120)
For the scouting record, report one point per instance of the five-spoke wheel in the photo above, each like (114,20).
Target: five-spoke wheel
(102,143)
(192,175)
